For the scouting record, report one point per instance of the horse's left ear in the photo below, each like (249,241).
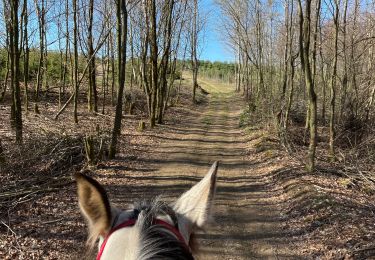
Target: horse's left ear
(195,204)
(94,205)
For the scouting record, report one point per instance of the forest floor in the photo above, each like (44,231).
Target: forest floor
(266,206)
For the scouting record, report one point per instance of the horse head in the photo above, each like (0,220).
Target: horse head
(147,229)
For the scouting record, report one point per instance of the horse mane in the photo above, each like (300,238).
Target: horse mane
(157,242)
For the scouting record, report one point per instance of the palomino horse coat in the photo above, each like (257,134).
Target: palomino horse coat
(147,230)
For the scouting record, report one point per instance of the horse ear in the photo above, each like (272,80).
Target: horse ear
(196,203)
(94,204)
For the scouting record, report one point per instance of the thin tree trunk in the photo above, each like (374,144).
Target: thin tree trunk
(261,89)
(46,79)
(345,76)
(194,42)
(290,96)
(322,74)
(5,83)
(285,68)
(26,50)
(154,61)
(61,61)
(39,78)
(67,46)
(304,44)
(370,103)
(107,67)
(333,84)
(7,48)
(92,94)
(104,79)
(113,94)
(292,59)
(122,19)
(15,70)
(165,60)
(75,47)
(238,85)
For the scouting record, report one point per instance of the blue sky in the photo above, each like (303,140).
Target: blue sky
(213,48)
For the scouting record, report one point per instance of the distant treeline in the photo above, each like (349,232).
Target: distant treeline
(54,65)
(223,71)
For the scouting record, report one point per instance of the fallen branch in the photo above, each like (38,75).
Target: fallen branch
(64,106)
(12,231)
(52,221)
(8,227)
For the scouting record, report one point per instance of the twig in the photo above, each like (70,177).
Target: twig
(83,75)
(53,221)
(11,230)
(14,233)
(100,114)
(64,106)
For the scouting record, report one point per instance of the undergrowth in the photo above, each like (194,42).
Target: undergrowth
(40,166)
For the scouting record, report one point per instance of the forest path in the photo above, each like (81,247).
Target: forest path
(246,219)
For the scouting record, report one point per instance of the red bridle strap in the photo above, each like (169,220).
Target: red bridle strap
(125,224)
(131,222)
(172,229)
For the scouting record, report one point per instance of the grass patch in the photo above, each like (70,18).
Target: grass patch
(208,118)
(207,121)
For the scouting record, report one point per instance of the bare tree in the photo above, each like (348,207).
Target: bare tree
(333,82)
(16,110)
(92,93)
(304,45)
(194,46)
(41,13)
(122,27)
(26,52)
(75,72)
(164,66)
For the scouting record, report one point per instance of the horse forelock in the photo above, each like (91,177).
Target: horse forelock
(153,241)
(156,241)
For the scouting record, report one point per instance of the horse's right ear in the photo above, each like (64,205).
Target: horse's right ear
(94,204)
(196,203)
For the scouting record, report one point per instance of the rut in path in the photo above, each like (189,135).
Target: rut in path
(247,220)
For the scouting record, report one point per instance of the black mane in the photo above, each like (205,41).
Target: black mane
(157,242)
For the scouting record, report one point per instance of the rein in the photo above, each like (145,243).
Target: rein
(131,222)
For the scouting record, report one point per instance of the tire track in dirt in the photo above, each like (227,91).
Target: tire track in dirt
(247,223)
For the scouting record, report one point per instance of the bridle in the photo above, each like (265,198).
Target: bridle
(131,222)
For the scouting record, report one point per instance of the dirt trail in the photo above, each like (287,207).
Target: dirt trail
(267,206)
(247,221)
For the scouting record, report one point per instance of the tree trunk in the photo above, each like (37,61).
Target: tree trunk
(154,61)
(5,84)
(333,84)
(292,59)
(7,47)
(39,78)
(113,93)
(122,19)
(67,46)
(92,94)
(323,78)
(15,71)
(165,59)
(61,78)
(26,50)
(345,76)
(285,67)
(194,43)
(75,73)
(304,45)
